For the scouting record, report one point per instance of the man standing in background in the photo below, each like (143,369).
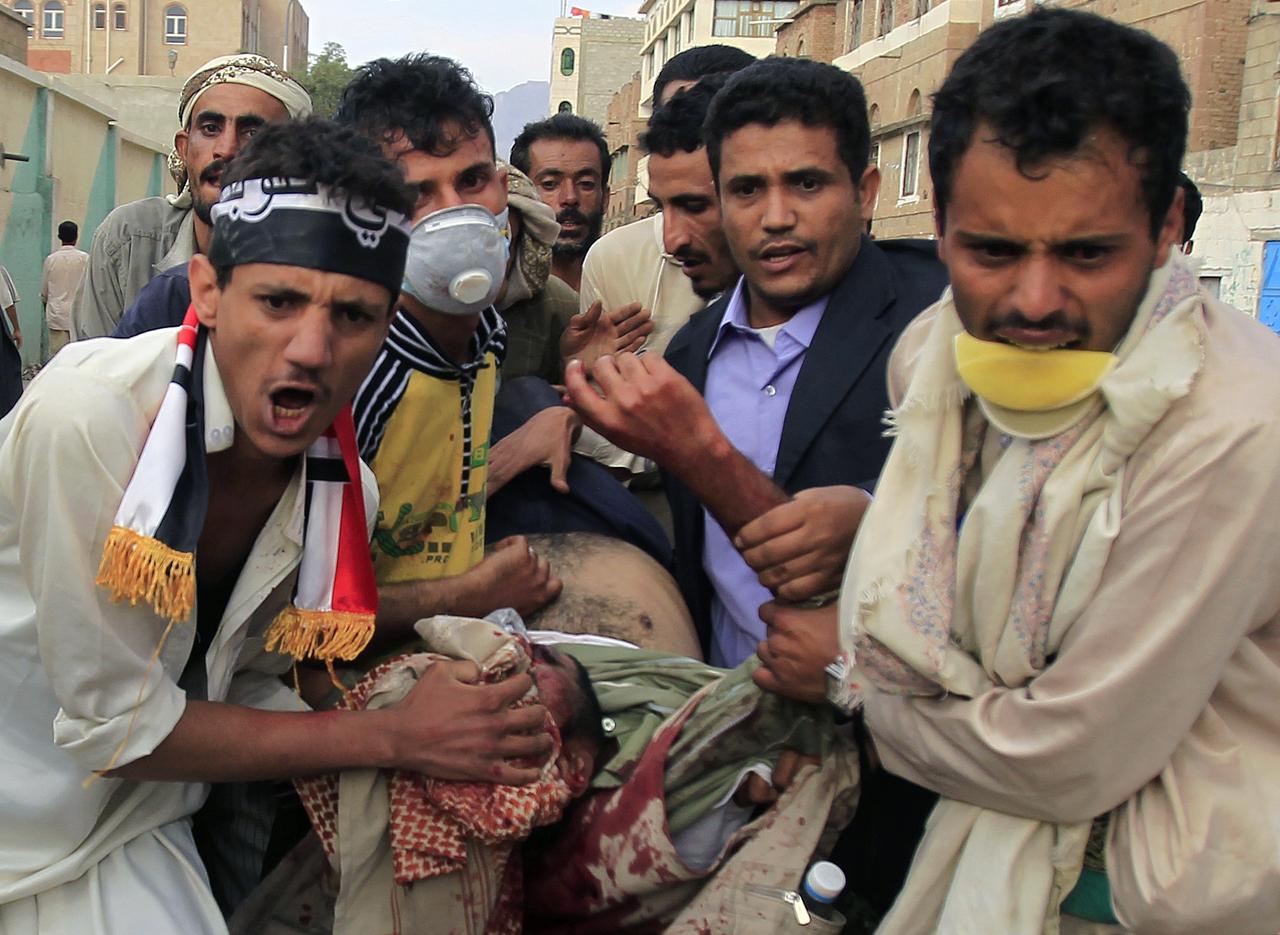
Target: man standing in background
(223,104)
(568,160)
(60,283)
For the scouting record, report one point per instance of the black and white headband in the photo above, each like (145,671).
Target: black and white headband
(292,222)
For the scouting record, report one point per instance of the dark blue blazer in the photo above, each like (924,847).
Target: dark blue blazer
(833,432)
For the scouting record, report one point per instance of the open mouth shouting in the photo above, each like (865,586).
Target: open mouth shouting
(292,407)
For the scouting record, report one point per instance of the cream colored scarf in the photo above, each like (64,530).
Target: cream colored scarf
(931,606)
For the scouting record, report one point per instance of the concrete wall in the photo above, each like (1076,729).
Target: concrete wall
(13,35)
(83,162)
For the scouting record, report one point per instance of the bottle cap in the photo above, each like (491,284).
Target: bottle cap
(824,881)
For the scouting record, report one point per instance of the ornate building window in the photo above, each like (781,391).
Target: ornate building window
(51,22)
(567,62)
(175,25)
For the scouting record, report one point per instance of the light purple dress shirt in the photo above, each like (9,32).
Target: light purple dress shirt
(748,390)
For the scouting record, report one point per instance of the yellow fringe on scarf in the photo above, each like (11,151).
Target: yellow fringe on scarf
(319,634)
(137,568)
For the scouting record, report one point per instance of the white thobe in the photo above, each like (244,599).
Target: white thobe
(76,679)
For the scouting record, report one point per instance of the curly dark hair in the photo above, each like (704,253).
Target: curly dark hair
(560,127)
(426,98)
(677,125)
(777,89)
(320,150)
(1043,82)
(700,62)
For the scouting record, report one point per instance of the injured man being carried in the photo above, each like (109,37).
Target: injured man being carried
(635,823)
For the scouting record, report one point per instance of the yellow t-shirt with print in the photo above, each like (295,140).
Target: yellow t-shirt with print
(427,528)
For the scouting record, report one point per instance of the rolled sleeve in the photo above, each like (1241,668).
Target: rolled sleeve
(70,450)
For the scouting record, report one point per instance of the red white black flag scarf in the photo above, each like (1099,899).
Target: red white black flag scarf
(149,555)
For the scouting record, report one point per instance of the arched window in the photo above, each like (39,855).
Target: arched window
(25,9)
(564,108)
(800,50)
(51,23)
(915,104)
(175,25)
(873,116)
(567,62)
(119,17)
(99,16)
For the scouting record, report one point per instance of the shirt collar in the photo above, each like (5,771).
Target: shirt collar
(800,328)
(219,424)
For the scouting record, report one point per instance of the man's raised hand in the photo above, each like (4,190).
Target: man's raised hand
(644,406)
(593,334)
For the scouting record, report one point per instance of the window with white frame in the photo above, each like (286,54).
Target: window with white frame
(873,157)
(51,21)
(99,16)
(750,17)
(910,164)
(175,25)
(27,11)
(1009,7)
(119,17)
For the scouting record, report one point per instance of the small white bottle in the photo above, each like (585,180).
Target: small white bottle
(822,885)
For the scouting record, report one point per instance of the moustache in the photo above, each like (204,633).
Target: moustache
(687,254)
(572,214)
(211,173)
(1054,321)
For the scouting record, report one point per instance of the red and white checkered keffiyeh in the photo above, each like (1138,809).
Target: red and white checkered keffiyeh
(432,819)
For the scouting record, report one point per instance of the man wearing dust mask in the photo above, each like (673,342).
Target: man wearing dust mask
(423,416)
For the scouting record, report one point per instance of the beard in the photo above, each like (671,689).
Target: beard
(575,248)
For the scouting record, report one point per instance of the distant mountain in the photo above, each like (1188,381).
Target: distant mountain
(514,108)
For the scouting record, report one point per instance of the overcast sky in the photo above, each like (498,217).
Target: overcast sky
(503,42)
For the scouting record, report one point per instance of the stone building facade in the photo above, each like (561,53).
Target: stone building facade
(169,38)
(671,26)
(811,33)
(591,58)
(622,129)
